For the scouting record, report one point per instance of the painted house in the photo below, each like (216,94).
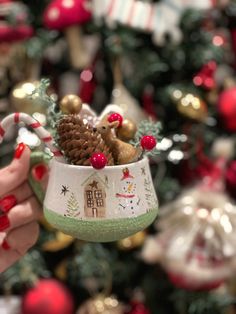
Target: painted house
(94,196)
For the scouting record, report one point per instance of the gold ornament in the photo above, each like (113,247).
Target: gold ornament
(70,104)
(21,100)
(46,224)
(133,241)
(101,305)
(191,106)
(127,131)
(61,270)
(60,242)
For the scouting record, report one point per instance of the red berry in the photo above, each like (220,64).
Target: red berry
(115,117)
(148,142)
(98,160)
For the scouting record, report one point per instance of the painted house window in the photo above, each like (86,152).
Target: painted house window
(89,194)
(98,194)
(99,202)
(90,203)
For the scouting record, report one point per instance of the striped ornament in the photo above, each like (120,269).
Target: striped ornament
(157,18)
(43,134)
(137,14)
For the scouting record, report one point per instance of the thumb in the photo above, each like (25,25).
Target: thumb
(17,172)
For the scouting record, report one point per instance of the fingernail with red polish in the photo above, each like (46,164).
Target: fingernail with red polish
(4,222)
(5,245)
(7,202)
(39,171)
(19,150)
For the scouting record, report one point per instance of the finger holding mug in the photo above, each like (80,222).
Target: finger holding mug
(19,209)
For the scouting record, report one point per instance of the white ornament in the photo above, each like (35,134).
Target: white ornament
(197,237)
(129,105)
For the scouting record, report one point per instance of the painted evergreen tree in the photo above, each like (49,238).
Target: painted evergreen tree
(72,207)
(149,193)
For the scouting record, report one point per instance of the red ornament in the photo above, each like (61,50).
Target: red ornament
(227,109)
(98,160)
(49,296)
(21,30)
(183,282)
(205,77)
(87,85)
(148,142)
(188,173)
(230,179)
(115,117)
(138,308)
(148,101)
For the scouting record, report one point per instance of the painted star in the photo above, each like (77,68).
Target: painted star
(64,190)
(143,171)
(94,184)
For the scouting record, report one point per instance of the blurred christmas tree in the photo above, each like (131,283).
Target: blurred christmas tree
(174,61)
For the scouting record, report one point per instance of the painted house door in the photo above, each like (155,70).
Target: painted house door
(95,212)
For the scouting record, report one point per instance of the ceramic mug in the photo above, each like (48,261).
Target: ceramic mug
(97,205)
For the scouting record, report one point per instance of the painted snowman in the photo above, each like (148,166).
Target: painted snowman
(128,200)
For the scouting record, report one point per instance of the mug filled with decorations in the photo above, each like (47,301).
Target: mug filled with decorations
(100,187)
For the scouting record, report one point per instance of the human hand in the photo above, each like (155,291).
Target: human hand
(19,209)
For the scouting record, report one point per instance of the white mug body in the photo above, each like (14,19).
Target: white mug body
(100,205)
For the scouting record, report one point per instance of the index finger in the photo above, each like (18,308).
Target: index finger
(16,173)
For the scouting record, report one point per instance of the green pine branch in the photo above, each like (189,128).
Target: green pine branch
(53,113)
(148,127)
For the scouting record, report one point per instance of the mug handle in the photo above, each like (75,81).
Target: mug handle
(37,160)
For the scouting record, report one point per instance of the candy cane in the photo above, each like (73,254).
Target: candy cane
(44,135)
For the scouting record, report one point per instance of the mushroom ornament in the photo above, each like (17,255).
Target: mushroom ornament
(67,16)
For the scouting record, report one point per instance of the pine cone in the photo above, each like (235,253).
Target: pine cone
(78,141)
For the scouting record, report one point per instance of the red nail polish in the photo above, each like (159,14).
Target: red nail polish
(5,245)
(4,222)
(19,150)
(7,202)
(39,171)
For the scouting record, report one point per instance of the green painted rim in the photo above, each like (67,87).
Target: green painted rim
(100,230)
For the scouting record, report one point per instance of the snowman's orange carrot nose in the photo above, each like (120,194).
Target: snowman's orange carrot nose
(130,186)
